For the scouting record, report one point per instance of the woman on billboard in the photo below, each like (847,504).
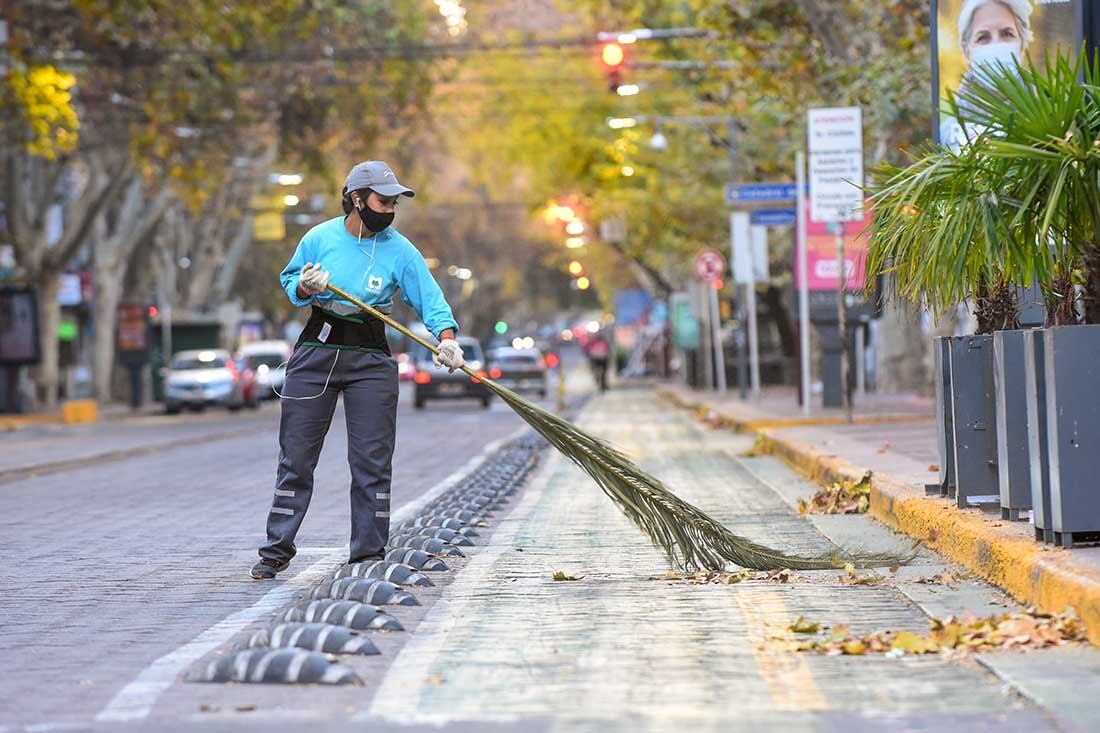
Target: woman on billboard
(992,33)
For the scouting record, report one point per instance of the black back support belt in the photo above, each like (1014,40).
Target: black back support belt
(360,330)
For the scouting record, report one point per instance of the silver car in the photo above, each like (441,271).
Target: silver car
(196,379)
(520,370)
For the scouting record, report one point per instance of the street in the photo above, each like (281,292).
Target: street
(105,611)
(110,566)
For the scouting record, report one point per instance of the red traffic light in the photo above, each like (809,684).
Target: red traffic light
(613,55)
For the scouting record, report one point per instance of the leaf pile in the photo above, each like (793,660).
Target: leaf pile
(842,497)
(706,577)
(1030,629)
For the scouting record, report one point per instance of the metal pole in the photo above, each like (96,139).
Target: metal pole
(861,362)
(803,282)
(842,288)
(716,339)
(705,352)
(750,304)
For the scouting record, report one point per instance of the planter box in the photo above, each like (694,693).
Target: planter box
(974,420)
(945,433)
(1010,382)
(1039,459)
(1072,368)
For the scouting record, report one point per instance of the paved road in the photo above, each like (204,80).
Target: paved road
(143,559)
(110,566)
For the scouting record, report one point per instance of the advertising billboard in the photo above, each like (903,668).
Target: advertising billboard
(971,34)
(821,266)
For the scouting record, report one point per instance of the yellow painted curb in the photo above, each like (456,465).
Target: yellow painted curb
(73,411)
(77,411)
(1034,574)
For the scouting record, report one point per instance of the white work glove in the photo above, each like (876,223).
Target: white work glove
(313,279)
(450,355)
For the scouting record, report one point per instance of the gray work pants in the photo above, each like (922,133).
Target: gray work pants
(369,384)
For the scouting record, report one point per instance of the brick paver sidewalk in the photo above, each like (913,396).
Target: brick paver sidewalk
(622,646)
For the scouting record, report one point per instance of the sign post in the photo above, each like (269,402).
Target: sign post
(803,287)
(709,268)
(836,175)
(748,245)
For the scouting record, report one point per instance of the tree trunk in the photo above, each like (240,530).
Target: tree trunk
(1092,284)
(902,350)
(49,318)
(108,293)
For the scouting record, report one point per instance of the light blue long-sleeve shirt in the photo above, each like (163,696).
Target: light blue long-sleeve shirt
(396,265)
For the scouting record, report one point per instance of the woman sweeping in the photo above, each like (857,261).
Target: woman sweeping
(342,349)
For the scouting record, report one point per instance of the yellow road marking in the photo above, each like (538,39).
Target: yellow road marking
(790,681)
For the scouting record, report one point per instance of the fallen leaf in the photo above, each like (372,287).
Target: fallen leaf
(934,468)
(854,648)
(885,447)
(245,708)
(435,680)
(802,626)
(205,708)
(910,643)
(933,535)
(841,497)
(559,575)
(779,576)
(894,569)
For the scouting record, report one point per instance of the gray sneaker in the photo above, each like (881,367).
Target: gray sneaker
(267,569)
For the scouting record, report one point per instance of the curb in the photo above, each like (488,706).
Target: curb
(1033,574)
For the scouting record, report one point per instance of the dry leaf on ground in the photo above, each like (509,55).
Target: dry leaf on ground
(802,626)
(842,497)
(1030,629)
(559,575)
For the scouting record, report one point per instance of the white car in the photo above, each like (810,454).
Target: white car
(196,379)
(268,360)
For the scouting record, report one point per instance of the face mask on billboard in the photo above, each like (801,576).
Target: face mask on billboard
(989,58)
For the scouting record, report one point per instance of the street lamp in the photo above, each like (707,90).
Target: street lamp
(658,141)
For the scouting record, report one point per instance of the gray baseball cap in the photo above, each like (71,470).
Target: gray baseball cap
(377,176)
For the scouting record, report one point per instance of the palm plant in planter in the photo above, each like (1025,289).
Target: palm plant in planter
(1019,205)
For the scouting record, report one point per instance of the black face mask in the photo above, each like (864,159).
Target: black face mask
(373,220)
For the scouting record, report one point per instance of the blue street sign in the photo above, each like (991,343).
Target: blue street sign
(772,217)
(743,193)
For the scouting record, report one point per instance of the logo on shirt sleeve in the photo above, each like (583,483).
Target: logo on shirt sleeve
(374,283)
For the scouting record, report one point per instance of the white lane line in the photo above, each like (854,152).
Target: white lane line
(136,700)
(398,696)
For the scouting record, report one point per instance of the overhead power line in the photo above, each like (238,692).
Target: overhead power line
(396,51)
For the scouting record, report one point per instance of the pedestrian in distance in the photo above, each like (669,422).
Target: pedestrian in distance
(598,351)
(343,350)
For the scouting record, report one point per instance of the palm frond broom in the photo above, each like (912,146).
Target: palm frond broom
(690,539)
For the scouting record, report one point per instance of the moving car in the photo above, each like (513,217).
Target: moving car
(196,379)
(268,359)
(520,370)
(431,382)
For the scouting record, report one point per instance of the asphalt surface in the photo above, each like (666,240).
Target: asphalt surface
(124,542)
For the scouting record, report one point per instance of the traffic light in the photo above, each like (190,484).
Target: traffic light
(613,57)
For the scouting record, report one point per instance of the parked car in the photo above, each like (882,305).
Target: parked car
(268,359)
(431,382)
(196,379)
(520,370)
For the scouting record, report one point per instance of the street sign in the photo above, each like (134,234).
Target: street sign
(835,136)
(773,217)
(748,250)
(749,193)
(709,265)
